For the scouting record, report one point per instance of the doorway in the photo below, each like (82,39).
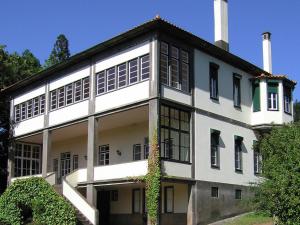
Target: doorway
(103,205)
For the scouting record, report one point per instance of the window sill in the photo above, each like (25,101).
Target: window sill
(288,113)
(215,167)
(273,110)
(238,107)
(176,89)
(175,160)
(239,171)
(42,114)
(216,100)
(65,106)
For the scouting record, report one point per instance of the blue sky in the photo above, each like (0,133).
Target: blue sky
(35,24)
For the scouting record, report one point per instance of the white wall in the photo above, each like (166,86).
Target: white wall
(176,169)
(29,125)
(29,95)
(226,173)
(176,95)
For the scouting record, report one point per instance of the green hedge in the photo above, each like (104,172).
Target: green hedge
(47,206)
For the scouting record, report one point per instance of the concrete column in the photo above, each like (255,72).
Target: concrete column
(91,158)
(46,151)
(191,213)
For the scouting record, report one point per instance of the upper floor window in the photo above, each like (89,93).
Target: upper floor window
(174,67)
(238,153)
(213,81)
(103,155)
(237,90)
(137,152)
(287,100)
(175,134)
(30,108)
(133,71)
(122,75)
(86,87)
(214,148)
(256,96)
(145,67)
(111,79)
(53,99)
(77,91)
(100,82)
(272,96)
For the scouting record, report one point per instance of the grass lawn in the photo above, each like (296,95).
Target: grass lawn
(251,219)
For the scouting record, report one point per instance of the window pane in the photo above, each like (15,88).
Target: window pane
(174,145)
(23,111)
(136,201)
(133,71)
(175,73)
(137,152)
(78,91)
(17,113)
(103,156)
(145,67)
(69,93)
(122,75)
(100,82)
(174,118)
(36,108)
(185,56)
(75,162)
(184,147)
(111,79)
(164,48)
(42,104)
(61,97)
(185,77)
(164,69)
(53,99)
(86,88)
(169,199)
(29,108)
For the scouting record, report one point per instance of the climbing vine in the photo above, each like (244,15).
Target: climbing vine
(152,180)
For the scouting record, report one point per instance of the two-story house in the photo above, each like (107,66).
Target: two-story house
(86,123)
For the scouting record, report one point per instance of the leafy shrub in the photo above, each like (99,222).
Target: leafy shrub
(47,206)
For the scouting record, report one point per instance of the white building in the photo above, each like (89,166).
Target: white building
(86,123)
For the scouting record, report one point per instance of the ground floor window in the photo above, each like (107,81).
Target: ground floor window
(238,194)
(169,199)
(214,192)
(27,159)
(136,200)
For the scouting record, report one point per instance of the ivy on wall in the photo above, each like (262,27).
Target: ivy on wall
(47,206)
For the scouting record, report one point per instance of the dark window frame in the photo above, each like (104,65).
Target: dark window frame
(238,152)
(214,192)
(236,81)
(135,153)
(214,75)
(238,194)
(215,146)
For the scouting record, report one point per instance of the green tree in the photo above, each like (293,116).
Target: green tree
(297,111)
(60,51)
(278,194)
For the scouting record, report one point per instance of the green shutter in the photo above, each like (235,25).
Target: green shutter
(256,97)
(272,87)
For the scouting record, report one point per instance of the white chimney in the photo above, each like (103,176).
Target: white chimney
(221,24)
(267,52)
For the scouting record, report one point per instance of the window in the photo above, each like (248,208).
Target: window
(145,67)
(287,99)
(69,94)
(36,108)
(164,63)
(136,200)
(137,152)
(53,96)
(29,108)
(238,194)
(214,192)
(272,96)
(214,148)
(146,148)
(42,104)
(122,75)
(86,87)
(238,154)
(100,82)
(174,67)
(114,195)
(61,97)
(213,81)
(111,79)
(17,113)
(175,134)
(23,111)
(103,156)
(185,71)
(169,199)
(133,71)
(257,158)
(75,162)
(256,96)
(237,91)
(77,91)
(27,159)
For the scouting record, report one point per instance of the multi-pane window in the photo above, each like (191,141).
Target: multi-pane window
(237,90)
(213,81)
(29,108)
(169,199)
(257,159)
(137,152)
(86,87)
(27,159)
(175,134)
(238,153)
(145,67)
(77,91)
(69,94)
(214,148)
(146,148)
(136,200)
(238,194)
(122,75)
(61,97)
(17,113)
(287,99)
(111,79)
(36,106)
(272,96)
(42,104)
(53,98)
(23,111)
(174,67)
(75,162)
(133,71)
(100,82)
(65,163)
(103,155)
(215,192)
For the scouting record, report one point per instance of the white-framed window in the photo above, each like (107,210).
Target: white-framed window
(133,71)
(145,67)
(77,91)
(169,199)
(42,104)
(17,113)
(23,111)
(36,106)
(214,148)
(86,87)
(136,201)
(29,108)
(61,97)
(53,97)
(103,155)
(69,94)
(100,82)
(174,67)
(273,96)
(238,153)
(137,152)
(111,79)
(122,75)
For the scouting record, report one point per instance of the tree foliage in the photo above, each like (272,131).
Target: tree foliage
(279,192)
(35,193)
(297,111)
(60,51)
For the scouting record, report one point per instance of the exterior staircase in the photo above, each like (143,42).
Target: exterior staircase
(81,219)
